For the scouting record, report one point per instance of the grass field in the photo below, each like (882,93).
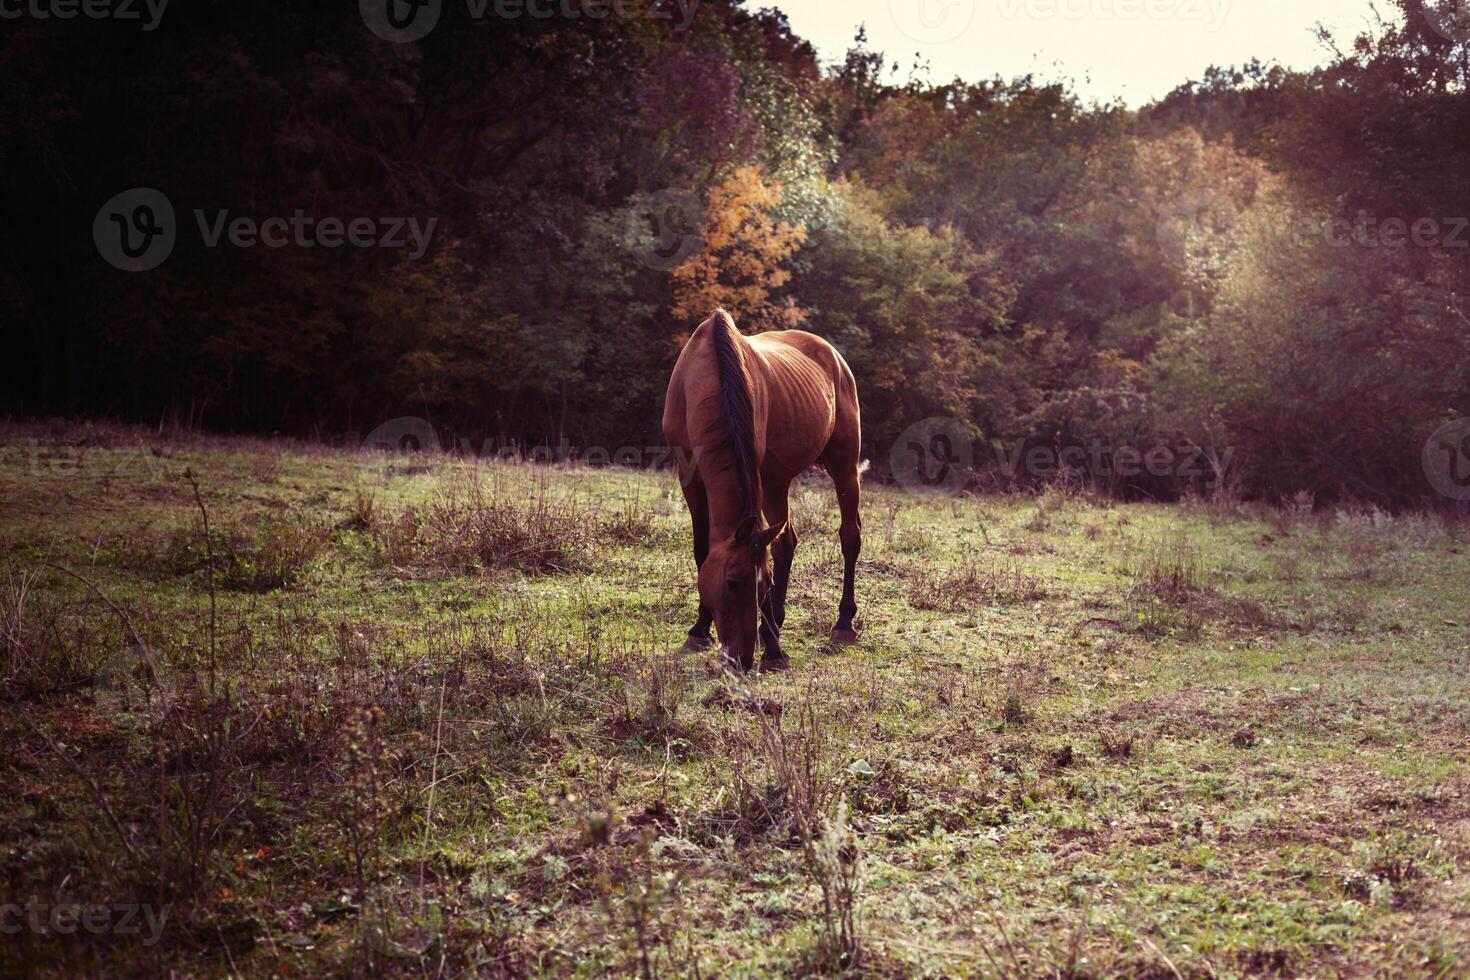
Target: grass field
(431,717)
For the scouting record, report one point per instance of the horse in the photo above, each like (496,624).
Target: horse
(743,417)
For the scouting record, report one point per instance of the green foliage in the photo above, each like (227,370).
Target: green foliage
(1050,272)
(916,313)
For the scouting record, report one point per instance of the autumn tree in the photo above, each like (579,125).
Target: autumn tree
(741,264)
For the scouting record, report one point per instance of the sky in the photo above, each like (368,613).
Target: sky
(1133,50)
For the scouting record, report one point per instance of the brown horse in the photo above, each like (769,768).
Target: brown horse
(745,416)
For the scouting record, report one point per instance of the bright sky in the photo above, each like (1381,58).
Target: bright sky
(1136,50)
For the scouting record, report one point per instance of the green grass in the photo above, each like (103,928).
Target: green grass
(440,719)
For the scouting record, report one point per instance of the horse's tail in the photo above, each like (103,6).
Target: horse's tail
(739,410)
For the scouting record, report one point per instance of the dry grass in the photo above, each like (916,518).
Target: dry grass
(976,585)
(467,526)
(395,763)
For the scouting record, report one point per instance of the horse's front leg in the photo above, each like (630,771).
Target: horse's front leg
(694,495)
(773,609)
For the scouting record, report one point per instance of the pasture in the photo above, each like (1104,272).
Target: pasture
(431,716)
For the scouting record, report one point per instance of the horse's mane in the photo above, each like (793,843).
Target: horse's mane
(739,411)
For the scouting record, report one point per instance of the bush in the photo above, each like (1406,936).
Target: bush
(270,552)
(466,528)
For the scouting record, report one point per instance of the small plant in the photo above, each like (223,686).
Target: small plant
(466,528)
(976,586)
(276,553)
(27,643)
(273,551)
(631,524)
(1171,571)
(363,515)
(643,904)
(1117,745)
(48,648)
(1019,690)
(1387,873)
(800,758)
(1297,509)
(652,700)
(365,802)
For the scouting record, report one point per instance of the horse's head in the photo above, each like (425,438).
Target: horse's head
(732,584)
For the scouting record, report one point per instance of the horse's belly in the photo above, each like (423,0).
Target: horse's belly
(801,414)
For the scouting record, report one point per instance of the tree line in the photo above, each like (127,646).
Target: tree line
(1266,269)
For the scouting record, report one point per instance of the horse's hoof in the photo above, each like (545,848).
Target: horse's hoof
(775,664)
(698,644)
(842,637)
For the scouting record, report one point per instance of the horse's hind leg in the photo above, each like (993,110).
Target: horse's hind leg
(694,496)
(849,494)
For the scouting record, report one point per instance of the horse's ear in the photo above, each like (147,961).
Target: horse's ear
(745,530)
(770,534)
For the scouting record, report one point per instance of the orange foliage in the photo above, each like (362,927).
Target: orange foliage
(739,266)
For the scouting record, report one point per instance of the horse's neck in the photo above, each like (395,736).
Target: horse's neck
(721,480)
(726,510)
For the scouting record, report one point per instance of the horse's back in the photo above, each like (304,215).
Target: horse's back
(811,398)
(804,394)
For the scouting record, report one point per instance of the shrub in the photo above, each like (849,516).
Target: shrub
(465,528)
(976,586)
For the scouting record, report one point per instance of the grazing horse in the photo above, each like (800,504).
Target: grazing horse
(745,416)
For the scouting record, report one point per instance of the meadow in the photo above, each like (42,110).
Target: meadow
(321,713)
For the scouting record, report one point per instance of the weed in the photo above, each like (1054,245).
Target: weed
(363,516)
(974,586)
(466,527)
(800,757)
(1117,745)
(633,525)
(1170,570)
(642,902)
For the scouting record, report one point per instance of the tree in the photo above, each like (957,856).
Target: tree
(740,265)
